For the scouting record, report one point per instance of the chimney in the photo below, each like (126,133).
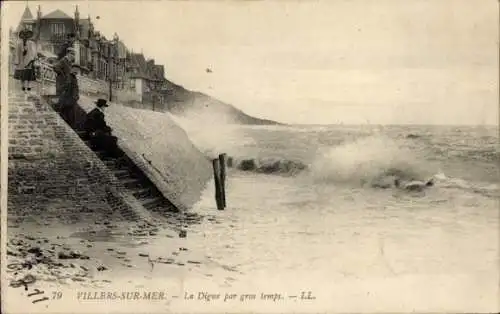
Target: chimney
(77,22)
(38,23)
(77,14)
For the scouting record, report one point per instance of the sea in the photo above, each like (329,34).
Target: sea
(304,216)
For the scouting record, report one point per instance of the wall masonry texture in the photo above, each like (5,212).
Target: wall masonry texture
(161,149)
(48,161)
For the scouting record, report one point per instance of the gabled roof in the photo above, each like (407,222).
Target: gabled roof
(160,71)
(26,17)
(139,62)
(57,14)
(145,69)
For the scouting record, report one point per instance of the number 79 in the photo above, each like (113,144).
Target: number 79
(56,295)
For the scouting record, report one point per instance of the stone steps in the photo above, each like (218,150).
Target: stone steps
(132,179)
(81,133)
(141,192)
(131,182)
(120,173)
(110,163)
(151,202)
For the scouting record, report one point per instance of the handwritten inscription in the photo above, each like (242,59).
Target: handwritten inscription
(25,282)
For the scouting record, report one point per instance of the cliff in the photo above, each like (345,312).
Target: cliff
(192,105)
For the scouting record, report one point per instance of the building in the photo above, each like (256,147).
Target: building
(97,57)
(146,78)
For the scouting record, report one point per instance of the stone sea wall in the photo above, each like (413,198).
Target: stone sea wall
(161,149)
(48,161)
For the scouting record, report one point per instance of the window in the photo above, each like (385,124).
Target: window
(83,56)
(101,70)
(132,83)
(57,28)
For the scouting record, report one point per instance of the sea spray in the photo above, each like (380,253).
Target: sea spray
(215,138)
(244,152)
(207,114)
(368,160)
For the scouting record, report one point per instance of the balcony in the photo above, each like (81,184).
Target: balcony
(58,38)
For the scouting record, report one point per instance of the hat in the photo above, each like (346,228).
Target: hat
(74,68)
(25,33)
(101,103)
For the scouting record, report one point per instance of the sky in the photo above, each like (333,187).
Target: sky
(317,62)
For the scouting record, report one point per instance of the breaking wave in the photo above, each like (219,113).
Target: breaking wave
(373,160)
(370,160)
(363,161)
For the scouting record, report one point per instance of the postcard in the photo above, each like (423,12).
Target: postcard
(250,156)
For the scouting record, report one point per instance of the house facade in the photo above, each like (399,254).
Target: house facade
(98,58)
(146,78)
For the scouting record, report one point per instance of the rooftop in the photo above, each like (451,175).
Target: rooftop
(57,14)
(26,17)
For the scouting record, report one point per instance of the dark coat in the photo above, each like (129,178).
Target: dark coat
(95,122)
(70,92)
(63,71)
(64,48)
(63,66)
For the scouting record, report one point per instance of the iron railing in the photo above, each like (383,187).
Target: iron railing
(44,72)
(46,78)
(59,37)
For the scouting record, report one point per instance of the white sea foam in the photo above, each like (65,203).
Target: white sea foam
(368,159)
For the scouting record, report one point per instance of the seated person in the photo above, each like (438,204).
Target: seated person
(99,132)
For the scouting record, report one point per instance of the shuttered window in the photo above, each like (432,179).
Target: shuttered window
(57,28)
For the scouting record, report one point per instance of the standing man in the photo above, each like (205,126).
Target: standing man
(69,98)
(68,44)
(63,70)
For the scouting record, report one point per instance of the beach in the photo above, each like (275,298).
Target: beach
(318,227)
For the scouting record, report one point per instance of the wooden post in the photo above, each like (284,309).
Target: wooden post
(40,85)
(110,90)
(222,162)
(218,191)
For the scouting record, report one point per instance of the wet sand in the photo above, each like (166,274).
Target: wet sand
(71,254)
